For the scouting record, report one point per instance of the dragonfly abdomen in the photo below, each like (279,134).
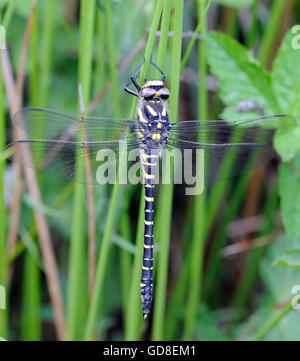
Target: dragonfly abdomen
(149,160)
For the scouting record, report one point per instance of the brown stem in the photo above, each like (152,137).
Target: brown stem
(16,203)
(91,205)
(41,223)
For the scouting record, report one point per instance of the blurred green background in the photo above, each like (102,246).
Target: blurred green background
(227,263)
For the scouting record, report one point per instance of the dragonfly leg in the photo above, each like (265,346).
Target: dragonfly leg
(130,91)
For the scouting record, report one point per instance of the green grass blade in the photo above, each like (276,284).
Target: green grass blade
(194,38)
(252,32)
(134,313)
(175,309)
(270,34)
(8,13)
(77,302)
(101,266)
(125,259)
(149,46)
(110,42)
(273,322)
(46,54)
(100,49)
(31,300)
(31,296)
(104,252)
(198,240)
(3,312)
(166,194)
(163,39)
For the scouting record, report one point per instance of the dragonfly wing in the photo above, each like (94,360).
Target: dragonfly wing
(226,149)
(212,164)
(74,161)
(66,145)
(218,131)
(49,124)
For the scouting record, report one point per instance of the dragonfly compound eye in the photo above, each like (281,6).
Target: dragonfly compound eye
(164,93)
(147,92)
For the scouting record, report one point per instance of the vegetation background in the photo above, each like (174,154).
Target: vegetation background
(228,261)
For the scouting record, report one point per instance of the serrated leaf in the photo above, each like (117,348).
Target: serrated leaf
(240,75)
(286,88)
(289,190)
(286,77)
(235,3)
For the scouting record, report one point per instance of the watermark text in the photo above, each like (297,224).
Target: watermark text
(296,38)
(2,37)
(2,298)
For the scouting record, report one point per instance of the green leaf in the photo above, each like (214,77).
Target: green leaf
(286,88)
(240,76)
(2,339)
(289,190)
(206,325)
(279,280)
(287,143)
(290,258)
(235,3)
(288,329)
(286,77)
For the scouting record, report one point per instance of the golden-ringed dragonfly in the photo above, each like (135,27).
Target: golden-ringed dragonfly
(54,144)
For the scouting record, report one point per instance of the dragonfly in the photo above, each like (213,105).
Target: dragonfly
(61,144)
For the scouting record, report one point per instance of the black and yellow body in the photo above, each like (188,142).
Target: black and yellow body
(152,128)
(146,287)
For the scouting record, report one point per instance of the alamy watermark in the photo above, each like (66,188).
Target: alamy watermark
(2,37)
(2,298)
(296,38)
(171,166)
(296,299)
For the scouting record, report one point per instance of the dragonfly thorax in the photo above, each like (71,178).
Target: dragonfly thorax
(153,123)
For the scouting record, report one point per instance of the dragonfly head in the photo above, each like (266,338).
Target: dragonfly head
(154,89)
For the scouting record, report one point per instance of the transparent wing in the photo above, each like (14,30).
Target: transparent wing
(74,160)
(68,146)
(48,124)
(218,130)
(227,149)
